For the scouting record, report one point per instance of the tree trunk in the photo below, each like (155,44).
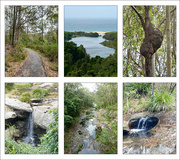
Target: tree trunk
(19,23)
(174,36)
(11,26)
(153,65)
(42,23)
(148,65)
(148,57)
(152,41)
(14,26)
(127,68)
(169,63)
(152,93)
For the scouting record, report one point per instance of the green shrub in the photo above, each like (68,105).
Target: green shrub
(38,93)
(49,141)
(108,137)
(140,88)
(70,108)
(25,97)
(162,101)
(9,132)
(9,87)
(68,120)
(6,65)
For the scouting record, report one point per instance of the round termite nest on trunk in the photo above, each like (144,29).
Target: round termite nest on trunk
(152,41)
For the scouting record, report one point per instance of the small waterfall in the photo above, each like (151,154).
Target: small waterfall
(30,135)
(141,124)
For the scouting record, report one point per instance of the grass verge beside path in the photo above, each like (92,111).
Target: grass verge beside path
(14,60)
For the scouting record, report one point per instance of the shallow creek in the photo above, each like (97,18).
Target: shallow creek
(84,141)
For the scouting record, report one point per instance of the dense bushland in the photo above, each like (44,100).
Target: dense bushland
(76,99)
(106,101)
(77,63)
(153,97)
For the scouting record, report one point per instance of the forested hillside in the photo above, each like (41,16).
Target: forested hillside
(34,27)
(149,41)
(77,63)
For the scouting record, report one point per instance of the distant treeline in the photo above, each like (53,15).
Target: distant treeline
(70,35)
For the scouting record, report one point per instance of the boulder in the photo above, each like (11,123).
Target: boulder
(42,117)
(10,115)
(46,85)
(16,104)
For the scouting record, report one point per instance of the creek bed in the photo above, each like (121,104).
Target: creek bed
(84,141)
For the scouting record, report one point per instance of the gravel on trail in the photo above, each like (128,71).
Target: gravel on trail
(33,67)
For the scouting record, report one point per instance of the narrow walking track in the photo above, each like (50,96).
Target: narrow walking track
(33,67)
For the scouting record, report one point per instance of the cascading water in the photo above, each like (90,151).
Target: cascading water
(141,125)
(30,136)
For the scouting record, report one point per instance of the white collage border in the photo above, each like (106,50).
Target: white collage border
(61,80)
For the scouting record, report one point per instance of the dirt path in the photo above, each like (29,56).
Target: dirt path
(33,67)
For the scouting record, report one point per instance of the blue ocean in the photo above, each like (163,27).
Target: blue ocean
(90,25)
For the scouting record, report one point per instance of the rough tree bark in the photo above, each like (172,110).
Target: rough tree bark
(174,36)
(18,23)
(14,25)
(152,41)
(168,33)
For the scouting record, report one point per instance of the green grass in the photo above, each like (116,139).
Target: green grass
(162,101)
(11,147)
(22,86)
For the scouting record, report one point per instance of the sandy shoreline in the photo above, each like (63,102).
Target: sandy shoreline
(99,32)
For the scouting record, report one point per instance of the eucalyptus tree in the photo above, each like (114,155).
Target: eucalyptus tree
(144,40)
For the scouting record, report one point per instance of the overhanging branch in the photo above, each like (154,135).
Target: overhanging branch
(140,17)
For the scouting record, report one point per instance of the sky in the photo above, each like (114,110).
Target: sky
(90,86)
(90,12)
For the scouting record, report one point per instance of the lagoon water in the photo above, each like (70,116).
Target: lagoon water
(93,46)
